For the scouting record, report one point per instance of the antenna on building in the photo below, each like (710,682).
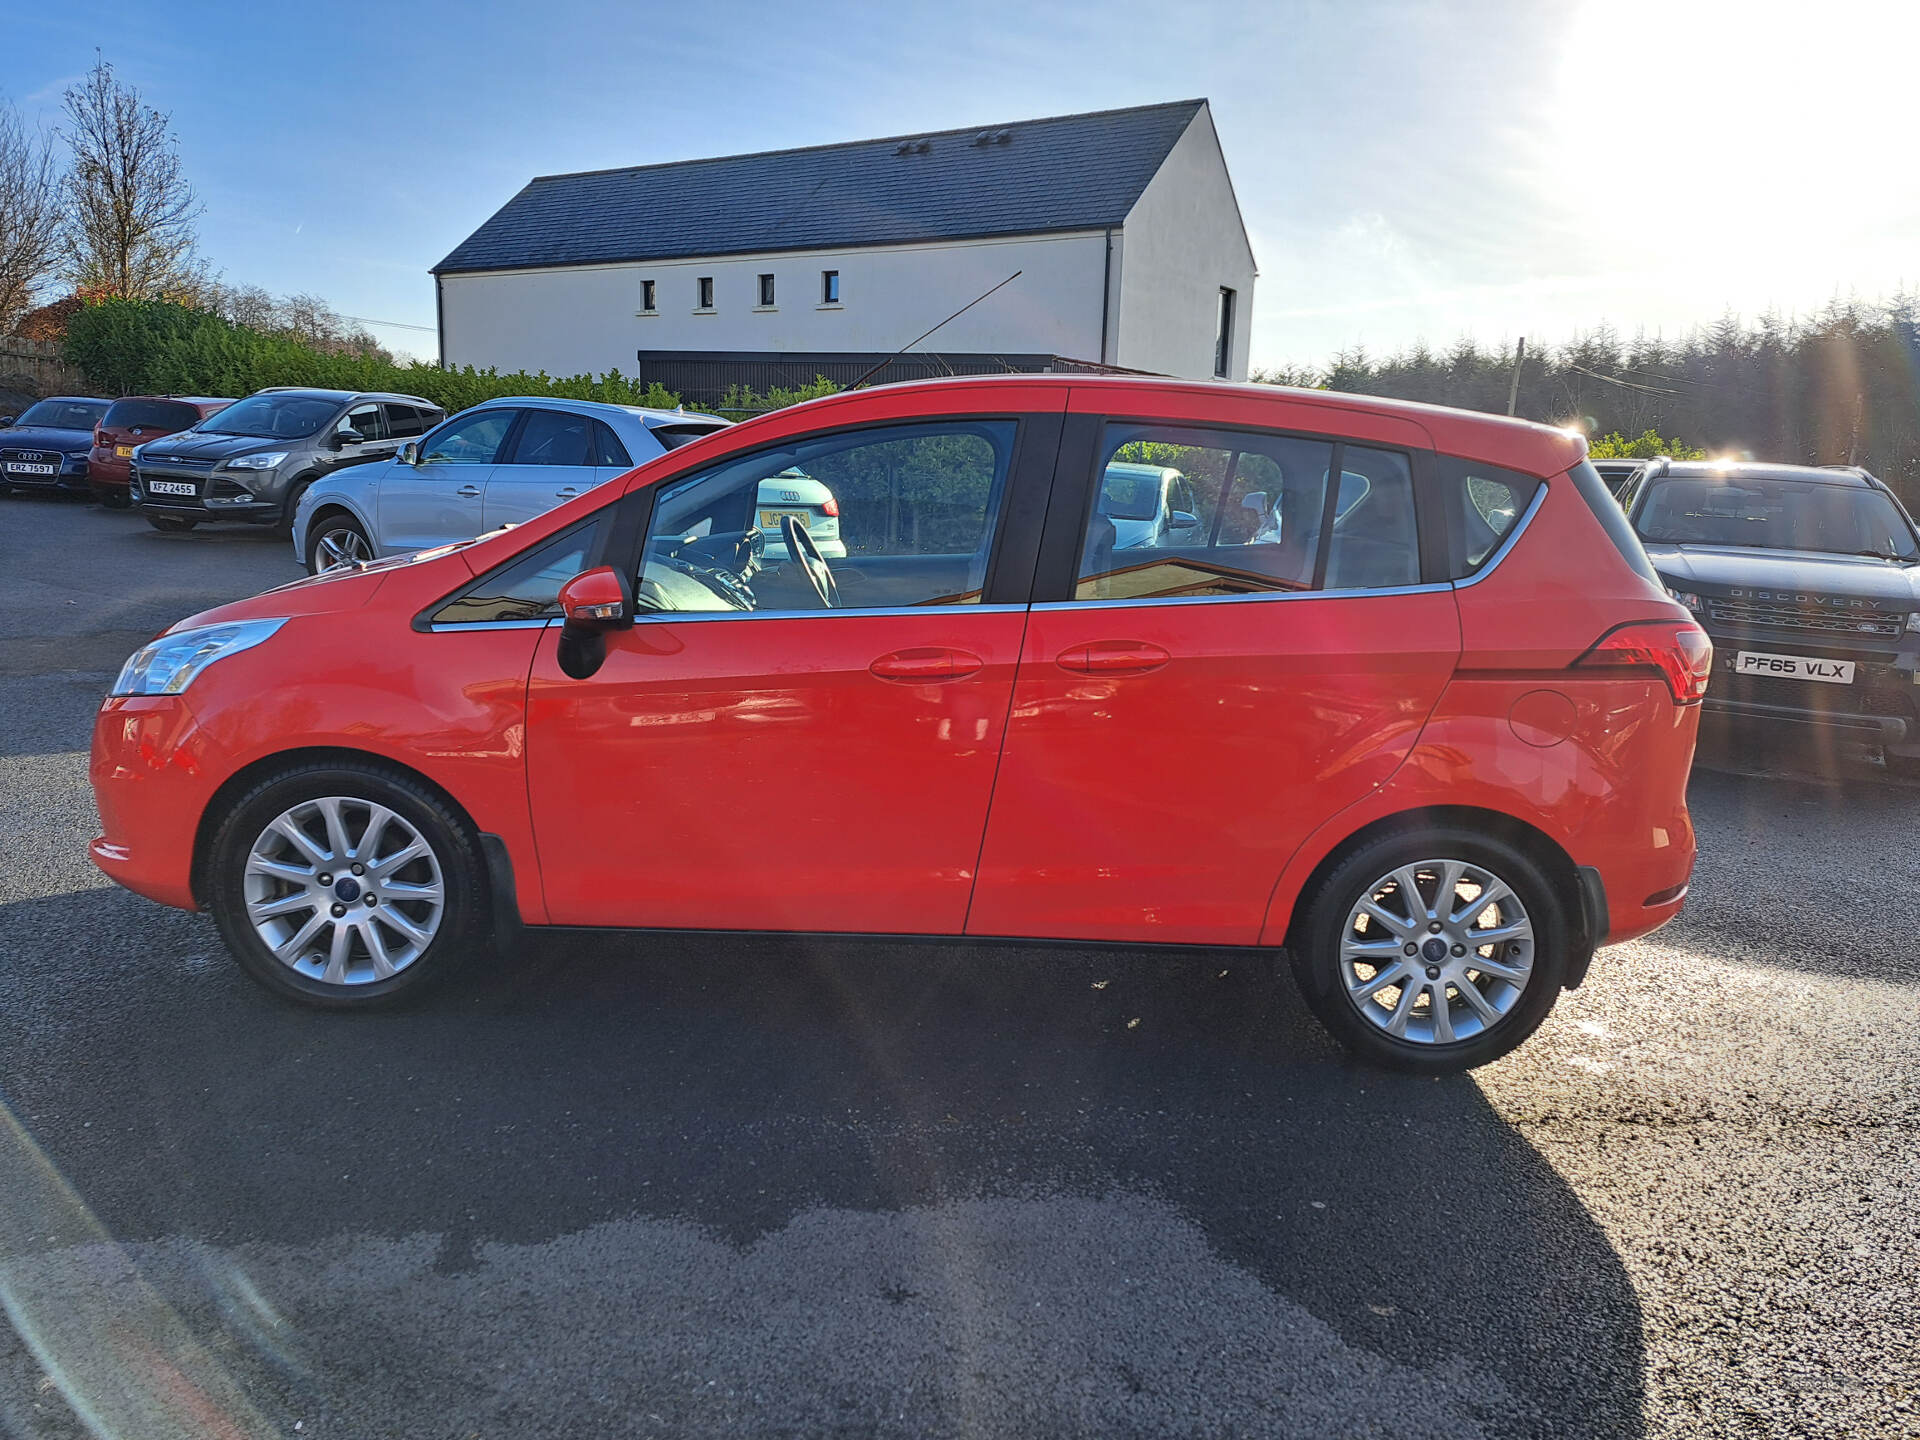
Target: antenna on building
(917,339)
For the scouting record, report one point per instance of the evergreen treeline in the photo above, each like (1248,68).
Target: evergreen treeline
(1840,387)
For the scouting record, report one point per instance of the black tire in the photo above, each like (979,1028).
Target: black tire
(333,522)
(113,499)
(170,524)
(1317,937)
(462,925)
(284,528)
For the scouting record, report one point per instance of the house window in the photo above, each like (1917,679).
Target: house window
(766,290)
(1223,335)
(705,284)
(829,287)
(646,295)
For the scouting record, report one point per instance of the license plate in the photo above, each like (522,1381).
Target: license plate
(171,487)
(1793,667)
(770,519)
(122,452)
(18,469)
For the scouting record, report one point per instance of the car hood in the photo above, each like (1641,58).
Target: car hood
(41,437)
(197,445)
(1717,569)
(334,592)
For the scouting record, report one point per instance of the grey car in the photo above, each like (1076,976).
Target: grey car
(253,460)
(499,463)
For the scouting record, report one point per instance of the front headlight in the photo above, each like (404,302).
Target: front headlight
(168,665)
(1687,598)
(1913,621)
(257,462)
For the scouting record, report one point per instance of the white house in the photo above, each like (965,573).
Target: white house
(1120,230)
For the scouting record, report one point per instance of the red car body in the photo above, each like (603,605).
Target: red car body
(132,421)
(1182,772)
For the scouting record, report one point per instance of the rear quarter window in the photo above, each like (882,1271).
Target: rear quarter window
(1481,504)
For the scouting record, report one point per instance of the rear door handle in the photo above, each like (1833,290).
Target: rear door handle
(1113,657)
(472,492)
(926,665)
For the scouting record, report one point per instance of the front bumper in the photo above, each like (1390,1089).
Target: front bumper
(1881,706)
(67,478)
(152,771)
(215,497)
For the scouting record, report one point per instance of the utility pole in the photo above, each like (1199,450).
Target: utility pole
(1519,359)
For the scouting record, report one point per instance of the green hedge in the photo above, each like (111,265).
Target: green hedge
(150,347)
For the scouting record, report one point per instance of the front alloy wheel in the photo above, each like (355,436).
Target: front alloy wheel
(344,884)
(344,891)
(338,544)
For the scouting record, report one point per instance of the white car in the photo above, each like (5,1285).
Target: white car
(1149,505)
(499,463)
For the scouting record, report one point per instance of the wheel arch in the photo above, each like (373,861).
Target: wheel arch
(249,775)
(1574,885)
(334,503)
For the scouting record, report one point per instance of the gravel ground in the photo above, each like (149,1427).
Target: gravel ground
(693,1187)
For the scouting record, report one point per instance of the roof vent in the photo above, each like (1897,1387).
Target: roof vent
(914,147)
(985,137)
(1005,137)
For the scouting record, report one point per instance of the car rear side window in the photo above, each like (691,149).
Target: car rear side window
(1612,519)
(403,421)
(1481,503)
(554,437)
(1190,513)
(150,415)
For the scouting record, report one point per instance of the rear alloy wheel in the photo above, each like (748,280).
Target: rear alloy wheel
(170,524)
(1434,951)
(344,886)
(337,541)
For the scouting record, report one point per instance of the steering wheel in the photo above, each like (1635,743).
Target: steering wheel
(804,549)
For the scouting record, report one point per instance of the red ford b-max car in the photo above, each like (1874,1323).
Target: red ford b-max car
(1399,694)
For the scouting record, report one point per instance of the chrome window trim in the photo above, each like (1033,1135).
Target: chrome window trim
(1433,587)
(1508,540)
(674,617)
(444,625)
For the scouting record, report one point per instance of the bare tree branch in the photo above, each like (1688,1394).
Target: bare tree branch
(130,230)
(29,216)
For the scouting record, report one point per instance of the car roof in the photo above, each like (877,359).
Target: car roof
(643,413)
(317,393)
(75,399)
(1494,439)
(1762,470)
(183,399)
(1138,467)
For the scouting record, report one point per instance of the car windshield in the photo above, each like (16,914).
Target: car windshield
(1775,514)
(64,414)
(1130,493)
(273,417)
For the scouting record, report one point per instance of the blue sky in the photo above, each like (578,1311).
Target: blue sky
(1407,171)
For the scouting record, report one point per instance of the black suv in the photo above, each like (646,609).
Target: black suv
(1808,580)
(252,460)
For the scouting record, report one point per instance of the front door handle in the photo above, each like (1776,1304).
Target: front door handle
(926,665)
(471,492)
(1113,657)
(567,492)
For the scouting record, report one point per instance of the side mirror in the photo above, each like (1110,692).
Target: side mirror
(6,420)
(1183,520)
(596,600)
(410,452)
(349,436)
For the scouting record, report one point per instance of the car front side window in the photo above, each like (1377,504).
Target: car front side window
(880,518)
(474,440)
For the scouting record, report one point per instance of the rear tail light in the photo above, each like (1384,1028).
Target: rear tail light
(98,438)
(1680,651)
(832,506)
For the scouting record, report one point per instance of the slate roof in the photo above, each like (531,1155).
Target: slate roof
(1071,172)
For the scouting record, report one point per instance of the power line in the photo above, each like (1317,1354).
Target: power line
(1616,380)
(396,324)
